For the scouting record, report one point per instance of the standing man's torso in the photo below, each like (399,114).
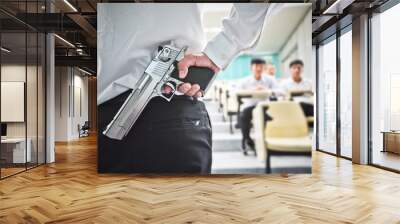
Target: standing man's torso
(129,34)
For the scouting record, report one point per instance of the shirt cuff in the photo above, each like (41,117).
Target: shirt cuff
(221,50)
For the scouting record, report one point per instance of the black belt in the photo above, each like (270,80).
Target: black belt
(125,94)
(184,97)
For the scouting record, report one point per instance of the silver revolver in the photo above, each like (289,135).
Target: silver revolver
(161,72)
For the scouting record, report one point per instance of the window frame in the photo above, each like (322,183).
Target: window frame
(333,37)
(381,9)
(27,29)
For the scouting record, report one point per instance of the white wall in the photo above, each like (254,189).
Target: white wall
(80,109)
(12,73)
(71,87)
(61,103)
(34,124)
(299,45)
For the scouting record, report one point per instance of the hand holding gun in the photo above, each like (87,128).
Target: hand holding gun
(161,78)
(183,67)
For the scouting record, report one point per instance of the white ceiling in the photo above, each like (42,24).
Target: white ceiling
(279,25)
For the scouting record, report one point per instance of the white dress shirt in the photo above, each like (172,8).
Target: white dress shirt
(291,85)
(129,35)
(274,80)
(251,83)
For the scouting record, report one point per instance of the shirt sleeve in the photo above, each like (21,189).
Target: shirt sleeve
(276,88)
(310,86)
(284,87)
(242,84)
(240,31)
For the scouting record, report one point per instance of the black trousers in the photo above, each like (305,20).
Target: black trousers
(168,137)
(246,115)
(308,109)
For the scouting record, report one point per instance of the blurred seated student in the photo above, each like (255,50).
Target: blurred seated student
(297,83)
(257,81)
(269,70)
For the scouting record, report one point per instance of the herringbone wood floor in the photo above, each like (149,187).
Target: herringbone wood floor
(71,191)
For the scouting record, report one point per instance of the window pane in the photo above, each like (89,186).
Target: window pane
(386,89)
(23,90)
(327,97)
(346,94)
(13,87)
(41,98)
(31,97)
(32,89)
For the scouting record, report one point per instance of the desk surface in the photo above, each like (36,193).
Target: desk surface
(13,140)
(391,132)
(304,99)
(253,92)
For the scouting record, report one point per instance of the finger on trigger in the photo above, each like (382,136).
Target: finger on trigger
(167,89)
(184,87)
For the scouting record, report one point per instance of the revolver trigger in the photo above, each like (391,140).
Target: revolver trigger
(171,85)
(168,96)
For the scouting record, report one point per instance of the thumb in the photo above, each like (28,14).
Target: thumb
(183,72)
(184,64)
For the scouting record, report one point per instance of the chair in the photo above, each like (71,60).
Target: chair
(221,95)
(286,134)
(310,121)
(303,93)
(233,101)
(306,96)
(246,94)
(261,95)
(215,90)
(84,130)
(230,108)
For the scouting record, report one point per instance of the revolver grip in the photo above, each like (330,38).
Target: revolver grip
(199,75)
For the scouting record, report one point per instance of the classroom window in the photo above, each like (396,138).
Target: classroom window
(327,96)
(385,89)
(22,88)
(346,94)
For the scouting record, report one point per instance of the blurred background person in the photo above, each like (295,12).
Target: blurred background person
(257,81)
(296,83)
(270,70)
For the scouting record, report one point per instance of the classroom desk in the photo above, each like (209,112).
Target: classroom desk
(13,150)
(391,141)
(256,94)
(304,99)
